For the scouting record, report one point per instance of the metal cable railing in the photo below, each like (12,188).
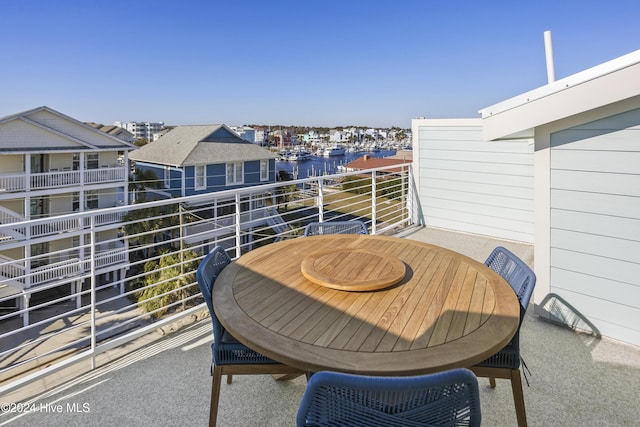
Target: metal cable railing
(99,284)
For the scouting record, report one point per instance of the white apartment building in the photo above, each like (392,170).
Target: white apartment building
(52,165)
(245,132)
(261,136)
(145,130)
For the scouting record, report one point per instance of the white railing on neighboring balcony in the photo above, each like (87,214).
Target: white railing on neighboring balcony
(12,272)
(131,269)
(105,174)
(61,178)
(110,257)
(54,226)
(54,178)
(55,271)
(12,182)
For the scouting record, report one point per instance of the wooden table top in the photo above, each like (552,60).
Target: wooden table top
(448,311)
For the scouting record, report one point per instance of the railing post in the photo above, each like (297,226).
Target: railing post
(94,331)
(320,200)
(373,203)
(238,226)
(404,201)
(411,197)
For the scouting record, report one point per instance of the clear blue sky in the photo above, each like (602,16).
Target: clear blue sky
(315,63)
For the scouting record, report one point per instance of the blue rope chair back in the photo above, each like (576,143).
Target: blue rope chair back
(336,227)
(448,398)
(207,273)
(518,274)
(522,280)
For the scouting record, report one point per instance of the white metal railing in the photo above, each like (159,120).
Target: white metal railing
(132,268)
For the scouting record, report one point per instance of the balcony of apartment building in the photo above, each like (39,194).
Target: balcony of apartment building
(49,252)
(140,354)
(55,171)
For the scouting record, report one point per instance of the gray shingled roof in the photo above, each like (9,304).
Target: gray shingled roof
(200,145)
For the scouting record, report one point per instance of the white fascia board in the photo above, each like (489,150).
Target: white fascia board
(604,84)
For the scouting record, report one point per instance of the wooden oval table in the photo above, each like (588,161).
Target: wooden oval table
(445,311)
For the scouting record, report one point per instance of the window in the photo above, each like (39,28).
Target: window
(38,162)
(234,173)
(200,183)
(91,198)
(167,177)
(39,253)
(92,161)
(39,207)
(264,170)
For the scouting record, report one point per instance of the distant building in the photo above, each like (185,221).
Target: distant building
(245,132)
(312,137)
(114,130)
(338,136)
(368,162)
(141,130)
(261,136)
(51,165)
(192,160)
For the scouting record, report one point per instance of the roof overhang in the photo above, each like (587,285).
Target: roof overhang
(602,85)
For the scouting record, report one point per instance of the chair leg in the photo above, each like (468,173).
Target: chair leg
(215,395)
(492,382)
(229,379)
(518,397)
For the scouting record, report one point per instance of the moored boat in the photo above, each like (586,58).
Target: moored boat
(334,150)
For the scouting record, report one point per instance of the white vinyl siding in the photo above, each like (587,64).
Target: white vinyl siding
(235,174)
(595,223)
(469,185)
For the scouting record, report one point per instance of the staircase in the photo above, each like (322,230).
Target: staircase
(7,216)
(276,222)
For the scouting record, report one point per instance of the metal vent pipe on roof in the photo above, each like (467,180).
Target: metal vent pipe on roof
(548,50)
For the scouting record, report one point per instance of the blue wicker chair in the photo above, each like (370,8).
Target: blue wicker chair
(448,398)
(230,357)
(506,363)
(335,227)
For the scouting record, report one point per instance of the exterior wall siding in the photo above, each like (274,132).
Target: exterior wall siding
(469,185)
(595,222)
(215,177)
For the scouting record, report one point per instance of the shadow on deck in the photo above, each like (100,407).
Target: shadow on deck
(576,379)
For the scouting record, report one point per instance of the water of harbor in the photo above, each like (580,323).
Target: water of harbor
(317,165)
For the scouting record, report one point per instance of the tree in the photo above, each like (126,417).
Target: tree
(284,192)
(140,181)
(145,226)
(168,281)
